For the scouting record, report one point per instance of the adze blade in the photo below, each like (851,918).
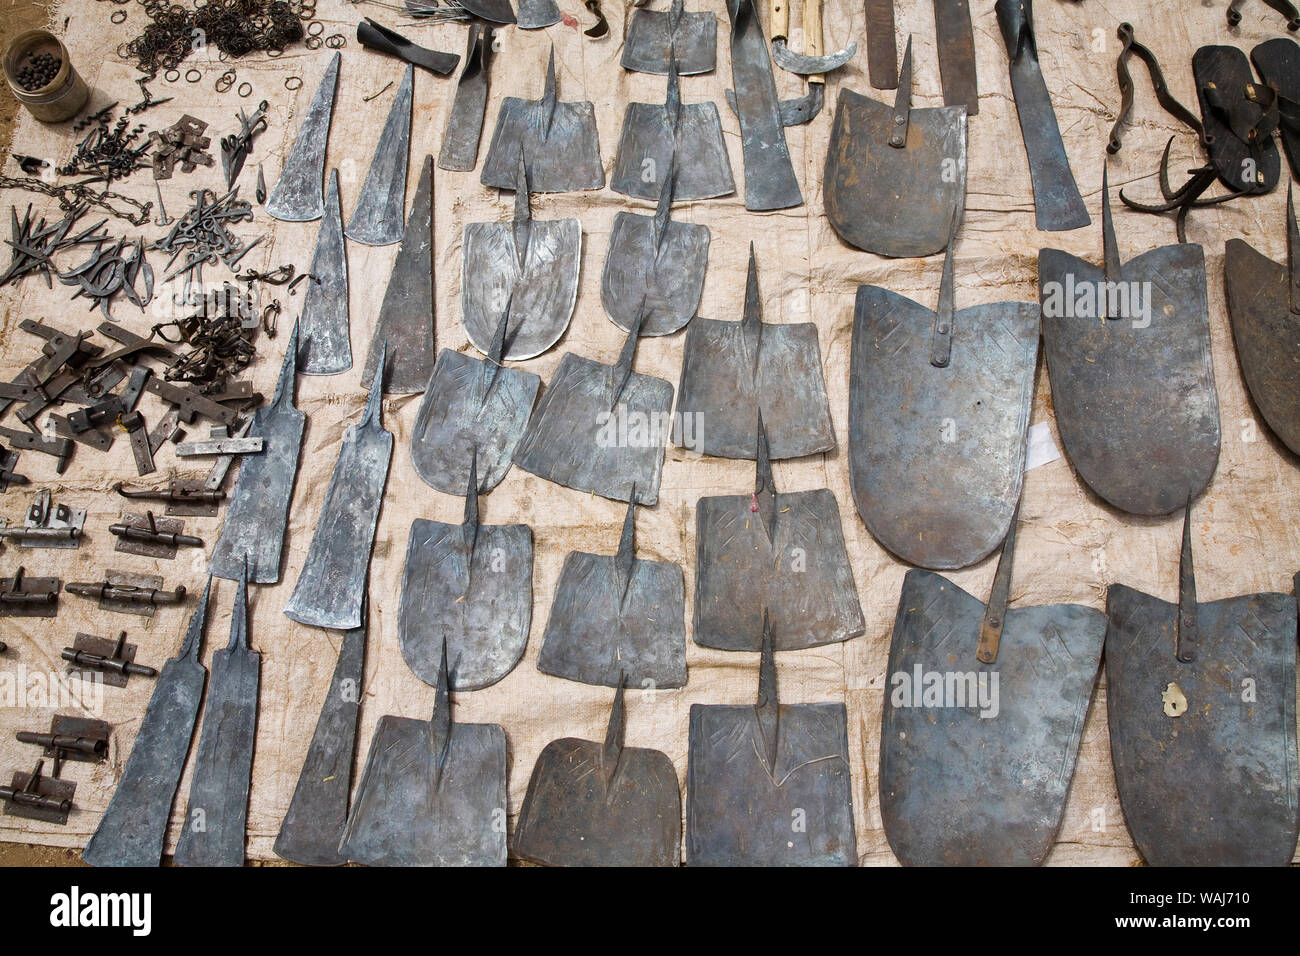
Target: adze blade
(297,194)
(377,220)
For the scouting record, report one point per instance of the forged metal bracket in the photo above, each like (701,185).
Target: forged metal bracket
(21,596)
(119,654)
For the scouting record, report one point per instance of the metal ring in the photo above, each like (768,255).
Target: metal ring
(336,41)
(126,55)
(274,51)
(245,89)
(293,79)
(315,23)
(313,43)
(171,76)
(198,75)
(117,16)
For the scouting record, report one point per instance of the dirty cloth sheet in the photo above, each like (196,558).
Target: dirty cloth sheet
(1070,547)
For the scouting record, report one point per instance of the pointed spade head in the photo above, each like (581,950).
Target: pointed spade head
(1109,249)
(764,484)
(192,647)
(902,101)
(288,370)
(767,709)
(470,523)
(440,723)
(374,404)
(673,98)
(239,617)
(549,96)
(663,211)
(622,371)
(501,339)
(1185,642)
(751,322)
(523,218)
(941,344)
(613,747)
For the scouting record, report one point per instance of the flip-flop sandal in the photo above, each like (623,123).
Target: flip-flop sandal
(1239,116)
(1277,62)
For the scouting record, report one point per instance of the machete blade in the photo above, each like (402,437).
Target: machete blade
(318,811)
(332,584)
(616,617)
(1132,384)
(406,317)
(217,813)
(657,38)
(1204,749)
(133,828)
(297,194)
(433,793)
(735,372)
(377,219)
(258,515)
(326,343)
(593,803)
(752,769)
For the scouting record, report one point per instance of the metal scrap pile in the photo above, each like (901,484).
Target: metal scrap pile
(219,336)
(203,234)
(235,27)
(108,154)
(181,144)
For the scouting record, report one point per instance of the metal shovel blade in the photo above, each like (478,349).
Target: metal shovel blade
(799,577)
(466,410)
(541,294)
(537,14)
(593,803)
(735,372)
(475,595)
(253,532)
(579,437)
(459,150)
(1264,330)
(768,784)
(433,793)
(132,830)
(558,142)
(770,182)
(894,201)
(318,811)
(324,325)
(658,37)
(297,195)
(936,455)
(664,277)
(976,759)
(1217,785)
(217,813)
(405,324)
(1057,203)
(331,586)
(617,617)
(377,220)
(1133,388)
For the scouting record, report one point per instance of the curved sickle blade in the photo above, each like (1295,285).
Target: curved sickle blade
(223,764)
(793,62)
(319,808)
(377,219)
(297,196)
(132,830)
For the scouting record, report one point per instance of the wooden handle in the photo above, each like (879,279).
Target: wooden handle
(780,20)
(812,28)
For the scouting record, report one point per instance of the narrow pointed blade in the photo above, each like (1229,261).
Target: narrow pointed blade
(802,581)
(258,514)
(770,182)
(595,637)
(1012,727)
(668,278)
(465,122)
(399,818)
(331,587)
(318,811)
(324,326)
(377,220)
(216,817)
(133,828)
(297,196)
(741,812)
(478,605)
(455,418)
(570,818)
(406,316)
(576,439)
(721,397)
(1235,738)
